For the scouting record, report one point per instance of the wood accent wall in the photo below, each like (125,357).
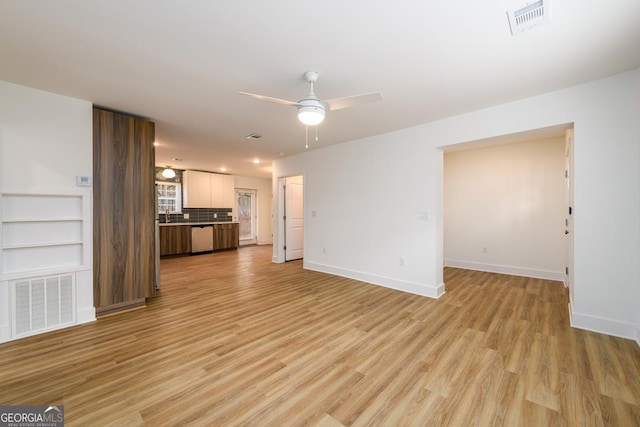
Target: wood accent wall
(123,210)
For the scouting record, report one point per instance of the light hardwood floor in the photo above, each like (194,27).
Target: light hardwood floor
(233,339)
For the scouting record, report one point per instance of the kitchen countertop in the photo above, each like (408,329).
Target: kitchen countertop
(164,224)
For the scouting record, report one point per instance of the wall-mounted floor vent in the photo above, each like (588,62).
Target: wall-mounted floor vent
(42,303)
(529,16)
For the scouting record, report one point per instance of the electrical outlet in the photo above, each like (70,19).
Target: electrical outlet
(324,250)
(485,250)
(403,261)
(186,216)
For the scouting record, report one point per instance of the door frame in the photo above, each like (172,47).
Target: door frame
(254,214)
(292,201)
(279,235)
(569,167)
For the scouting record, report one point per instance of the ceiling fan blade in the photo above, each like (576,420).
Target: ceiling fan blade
(270,99)
(350,101)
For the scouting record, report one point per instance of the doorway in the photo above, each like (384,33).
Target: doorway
(247,215)
(293,217)
(505,205)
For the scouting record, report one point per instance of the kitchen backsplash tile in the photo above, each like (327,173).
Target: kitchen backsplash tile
(200,215)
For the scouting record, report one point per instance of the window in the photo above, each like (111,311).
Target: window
(169,197)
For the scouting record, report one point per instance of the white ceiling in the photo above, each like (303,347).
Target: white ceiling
(182,63)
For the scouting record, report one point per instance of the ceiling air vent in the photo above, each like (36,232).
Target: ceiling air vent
(529,16)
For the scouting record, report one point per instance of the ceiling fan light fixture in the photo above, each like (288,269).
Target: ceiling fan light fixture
(168,172)
(310,112)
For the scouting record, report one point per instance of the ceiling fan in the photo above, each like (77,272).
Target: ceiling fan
(311,110)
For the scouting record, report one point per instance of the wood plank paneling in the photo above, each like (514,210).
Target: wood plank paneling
(236,340)
(123,208)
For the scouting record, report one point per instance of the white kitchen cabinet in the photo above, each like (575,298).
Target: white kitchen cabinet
(208,190)
(217,189)
(229,192)
(197,189)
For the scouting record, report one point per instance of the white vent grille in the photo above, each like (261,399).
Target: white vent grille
(529,16)
(43,303)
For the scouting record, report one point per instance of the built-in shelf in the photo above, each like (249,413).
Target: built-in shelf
(10,221)
(41,245)
(43,233)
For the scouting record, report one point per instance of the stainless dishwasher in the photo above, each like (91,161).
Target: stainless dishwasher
(201,238)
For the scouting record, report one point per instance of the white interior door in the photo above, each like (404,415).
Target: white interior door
(247,215)
(568,159)
(293,218)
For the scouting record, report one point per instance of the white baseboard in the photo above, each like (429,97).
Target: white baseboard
(505,269)
(86,315)
(5,333)
(603,325)
(387,282)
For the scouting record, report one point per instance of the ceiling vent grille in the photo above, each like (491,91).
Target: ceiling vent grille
(529,16)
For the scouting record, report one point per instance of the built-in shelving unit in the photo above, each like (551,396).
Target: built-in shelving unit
(45,241)
(43,234)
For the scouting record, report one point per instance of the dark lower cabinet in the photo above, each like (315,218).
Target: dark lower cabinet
(123,211)
(175,239)
(226,236)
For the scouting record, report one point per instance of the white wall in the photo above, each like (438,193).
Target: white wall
(45,142)
(504,209)
(367,195)
(263,190)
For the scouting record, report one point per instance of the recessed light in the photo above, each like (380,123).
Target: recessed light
(175,159)
(223,169)
(156,143)
(256,161)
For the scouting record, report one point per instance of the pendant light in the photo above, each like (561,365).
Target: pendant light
(168,172)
